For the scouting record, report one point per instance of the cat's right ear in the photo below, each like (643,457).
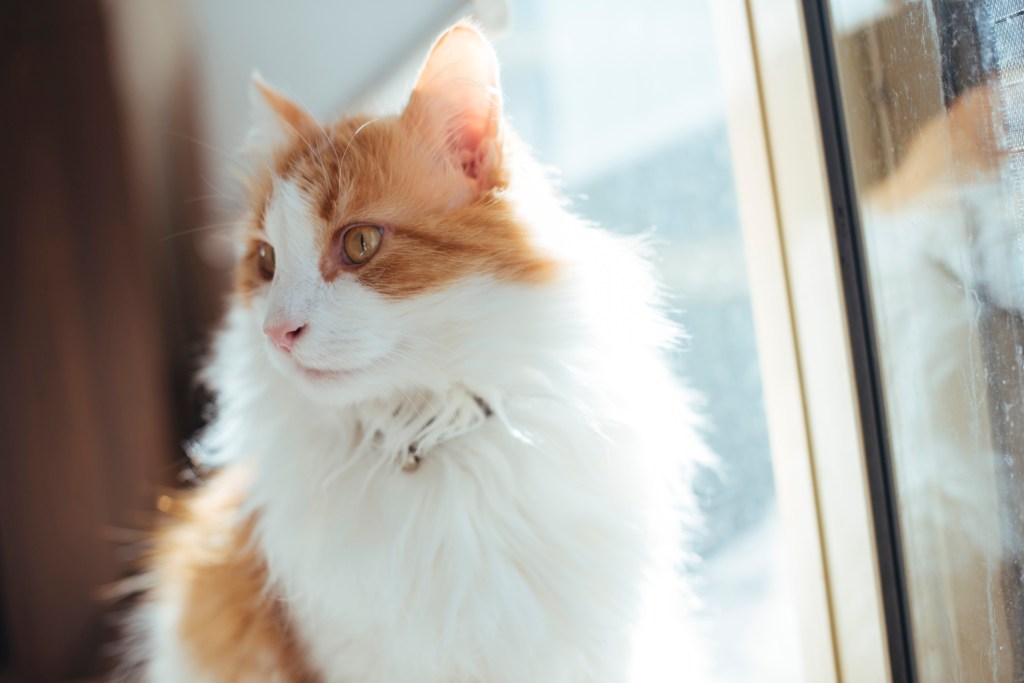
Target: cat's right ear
(275,118)
(456,102)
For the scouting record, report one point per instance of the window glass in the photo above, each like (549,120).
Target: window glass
(932,95)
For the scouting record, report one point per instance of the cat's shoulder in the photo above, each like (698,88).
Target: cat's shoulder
(228,619)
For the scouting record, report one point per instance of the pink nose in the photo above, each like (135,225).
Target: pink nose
(284,335)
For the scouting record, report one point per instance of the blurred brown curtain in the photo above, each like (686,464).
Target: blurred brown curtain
(85,410)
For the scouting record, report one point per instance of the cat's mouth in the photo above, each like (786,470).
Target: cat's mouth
(321,374)
(331,374)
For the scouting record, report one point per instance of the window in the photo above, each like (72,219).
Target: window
(931,102)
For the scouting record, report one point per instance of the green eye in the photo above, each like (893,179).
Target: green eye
(265,260)
(361,242)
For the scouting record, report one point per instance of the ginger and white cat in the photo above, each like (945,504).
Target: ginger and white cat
(448,446)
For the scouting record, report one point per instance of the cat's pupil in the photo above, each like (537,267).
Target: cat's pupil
(361,242)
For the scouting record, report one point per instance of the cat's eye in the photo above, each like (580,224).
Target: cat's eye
(265,260)
(361,242)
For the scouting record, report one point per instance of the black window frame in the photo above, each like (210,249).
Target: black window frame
(861,329)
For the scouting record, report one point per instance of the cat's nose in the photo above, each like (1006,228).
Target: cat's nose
(284,335)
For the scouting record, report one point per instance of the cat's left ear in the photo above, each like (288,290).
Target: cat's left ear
(457,101)
(275,118)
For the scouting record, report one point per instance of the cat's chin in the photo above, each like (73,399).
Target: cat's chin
(319,375)
(335,386)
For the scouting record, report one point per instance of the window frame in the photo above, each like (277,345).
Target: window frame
(812,320)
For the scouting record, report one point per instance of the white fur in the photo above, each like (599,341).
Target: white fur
(541,544)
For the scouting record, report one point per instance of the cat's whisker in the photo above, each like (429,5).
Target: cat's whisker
(218,193)
(238,203)
(327,137)
(355,457)
(412,403)
(344,156)
(408,355)
(237,158)
(309,146)
(434,360)
(205,228)
(420,338)
(371,474)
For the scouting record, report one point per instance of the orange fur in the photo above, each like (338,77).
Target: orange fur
(290,114)
(435,178)
(386,172)
(232,624)
(957,145)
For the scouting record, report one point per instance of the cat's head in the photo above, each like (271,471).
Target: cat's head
(377,245)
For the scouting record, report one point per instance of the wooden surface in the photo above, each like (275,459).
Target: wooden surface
(83,427)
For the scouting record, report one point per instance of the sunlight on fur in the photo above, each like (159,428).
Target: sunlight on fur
(448,447)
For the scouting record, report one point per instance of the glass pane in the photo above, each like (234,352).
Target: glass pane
(638,135)
(932,95)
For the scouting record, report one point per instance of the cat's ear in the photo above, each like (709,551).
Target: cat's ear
(457,102)
(275,118)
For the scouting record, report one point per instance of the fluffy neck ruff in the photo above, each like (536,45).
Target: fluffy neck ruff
(523,535)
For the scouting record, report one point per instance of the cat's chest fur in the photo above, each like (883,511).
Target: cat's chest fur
(476,566)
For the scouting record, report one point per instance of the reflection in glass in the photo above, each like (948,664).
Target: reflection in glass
(933,95)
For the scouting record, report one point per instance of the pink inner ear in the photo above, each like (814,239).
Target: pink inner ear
(471,146)
(456,95)
(470,161)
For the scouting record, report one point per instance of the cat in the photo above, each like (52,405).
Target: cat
(448,445)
